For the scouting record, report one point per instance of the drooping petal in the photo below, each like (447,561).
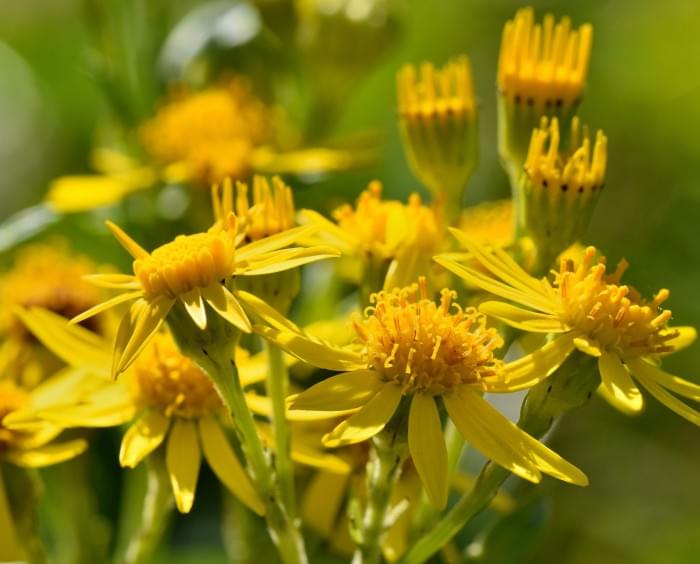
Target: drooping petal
(183,459)
(274,242)
(350,390)
(194,305)
(227,306)
(117,281)
(75,345)
(496,437)
(266,312)
(322,501)
(587,346)
(142,438)
(224,463)
(104,306)
(534,367)
(368,421)
(131,246)
(427,446)
(666,398)
(532,321)
(47,455)
(685,337)
(649,371)
(621,389)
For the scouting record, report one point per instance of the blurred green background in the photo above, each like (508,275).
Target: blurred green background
(643,504)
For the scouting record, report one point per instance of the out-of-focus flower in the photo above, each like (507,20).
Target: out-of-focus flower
(591,312)
(490,223)
(193,270)
(542,70)
(437,117)
(414,348)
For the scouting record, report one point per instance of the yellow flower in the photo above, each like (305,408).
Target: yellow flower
(542,70)
(46,275)
(397,239)
(193,270)
(587,310)
(559,188)
(490,223)
(414,348)
(437,116)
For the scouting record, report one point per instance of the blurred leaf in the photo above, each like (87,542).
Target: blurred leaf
(24,225)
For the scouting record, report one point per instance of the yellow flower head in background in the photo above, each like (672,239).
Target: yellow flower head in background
(437,116)
(490,223)
(210,134)
(192,270)
(423,351)
(588,310)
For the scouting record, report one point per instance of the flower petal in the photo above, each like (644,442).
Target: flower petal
(322,501)
(274,242)
(104,306)
(131,246)
(587,346)
(350,390)
(183,459)
(649,371)
(227,306)
(194,305)
(47,455)
(533,321)
(427,446)
(225,464)
(266,312)
(534,367)
(368,421)
(118,281)
(288,259)
(69,194)
(617,382)
(142,438)
(684,338)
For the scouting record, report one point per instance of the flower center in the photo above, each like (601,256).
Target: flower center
(12,398)
(426,346)
(188,262)
(613,315)
(165,379)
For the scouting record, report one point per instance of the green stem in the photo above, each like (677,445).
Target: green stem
(277,390)
(9,547)
(389,451)
(155,512)
(569,387)
(24,493)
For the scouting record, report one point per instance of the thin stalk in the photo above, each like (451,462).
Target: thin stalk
(277,390)
(9,547)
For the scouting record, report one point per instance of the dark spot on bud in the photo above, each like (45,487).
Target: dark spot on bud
(544,183)
(564,187)
(530,102)
(559,102)
(580,189)
(517,98)
(549,388)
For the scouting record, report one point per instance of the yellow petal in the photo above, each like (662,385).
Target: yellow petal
(287,259)
(619,384)
(73,344)
(266,312)
(227,306)
(427,446)
(143,437)
(90,415)
(652,372)
(666,398)
(137,328)
(329,231)
(368,421)
(47,455)
(686,336)
(225,464)
(274,242)
(195,307)
(118,281)
(587,346)
(350,390)
(183,459)
(131,246)
(524,319)
(104,306)
(322,502)
(69,194)
(495,437)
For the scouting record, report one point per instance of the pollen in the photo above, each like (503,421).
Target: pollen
(425,346)
(186,263)
(267,210)
(580,171)
(163,378)
(46,275)
(436,93)
(612,315)
(212,132)
(543,65)
(12,398)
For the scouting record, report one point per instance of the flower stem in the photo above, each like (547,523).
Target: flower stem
(155,512)
(9,547)
(277,387)
(569,387)
(389,451)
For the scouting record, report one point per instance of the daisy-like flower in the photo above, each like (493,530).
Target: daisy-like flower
(542,70)
(559,187)
(390,239)
(428,353)
(589,310)
(437,116)
(194,270)
(46,275)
